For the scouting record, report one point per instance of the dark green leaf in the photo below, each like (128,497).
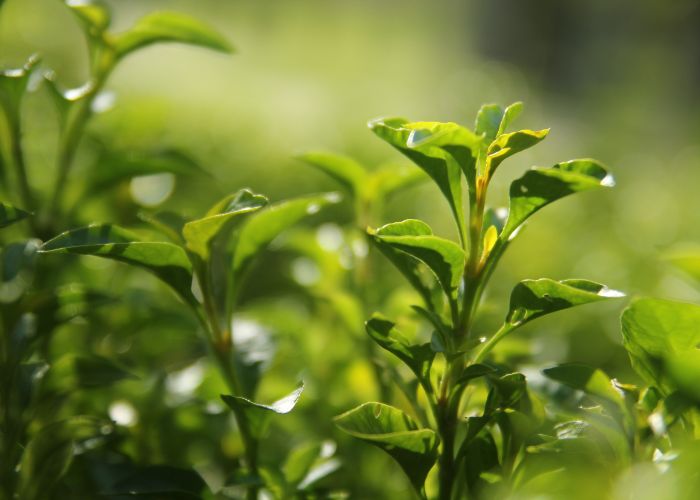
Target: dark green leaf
(150,482)
(161,27)
(167,261)
(445,258)
(474,371)
(78,371)
(654,330)
(397,434)
(541,186)
(260,230)
(49,454)
(9,214)
(418,358)
(531,299)
(255,416)
(585,378)
(201,232)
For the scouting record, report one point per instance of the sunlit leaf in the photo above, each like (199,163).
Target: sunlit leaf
(655,330)
(261,229)
(531,299)
(201,232)
(92,14)
(167,261)
(418,358)
(397,434)
(541,186)
(507,145)
(256,416)
(510,114)
(300,461)
(444,257)
(161,27)
(440,165)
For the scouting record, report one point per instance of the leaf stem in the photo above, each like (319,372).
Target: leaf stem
(504,330)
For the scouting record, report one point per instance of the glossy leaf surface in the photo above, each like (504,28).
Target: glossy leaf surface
(531,299)
(396,433)
(255,415)
(541,186)
(167,261)
(201,232)
(444,257)
(418,358)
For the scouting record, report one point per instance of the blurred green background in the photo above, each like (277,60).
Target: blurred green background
(616,81)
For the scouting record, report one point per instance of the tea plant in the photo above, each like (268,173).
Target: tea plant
(205,264)
(466,452)
(354,295)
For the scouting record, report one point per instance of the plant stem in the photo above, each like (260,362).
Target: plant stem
(495,339)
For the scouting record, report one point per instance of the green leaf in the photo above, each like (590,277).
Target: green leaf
(510,114)
(406,264)
(585,378)
(345,170)
(444,257)
(654,330)
(93,15)
(260,230)
(531,299)
(49,454)
(473,371)
(125,480)
(418,358)
(300,461)
(440,165)
(13,86)
(397,434)
(687,260)
(161,27)
(114,167)
(255,416)
(87,372)
(390,179)
(169,224)
(540,187)
(167,261)
(200,233)
(9,214)
(488,122)
(507,145)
